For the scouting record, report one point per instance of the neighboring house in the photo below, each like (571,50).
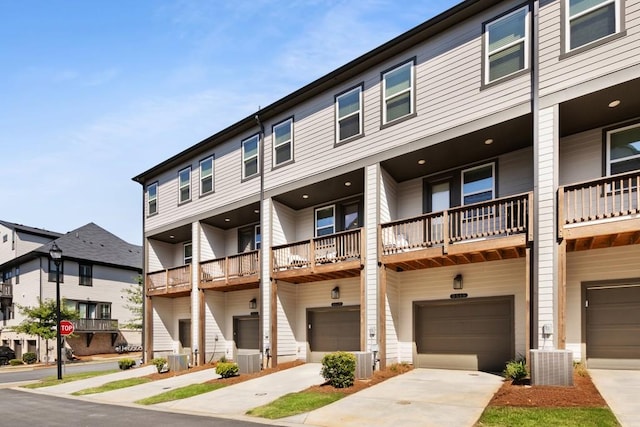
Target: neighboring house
(456,197)
(96,268)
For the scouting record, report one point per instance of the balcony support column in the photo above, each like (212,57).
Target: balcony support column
(197,325)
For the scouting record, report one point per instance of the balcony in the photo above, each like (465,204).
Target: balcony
(6,290)
(173,282)
(335,256)
(487,231)
(95,325)
(241,271)
(600,213)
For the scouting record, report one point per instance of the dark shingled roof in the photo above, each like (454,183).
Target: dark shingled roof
(30,230)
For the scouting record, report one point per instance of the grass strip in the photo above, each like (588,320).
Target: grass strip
(180,393)
(295,403)
(535,417)
(53,380)
(113,385)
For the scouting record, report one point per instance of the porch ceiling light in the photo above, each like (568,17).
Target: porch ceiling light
(335,293)
(457,281)
(488,141)
(253,304)
(256,211)
(305,196)
(614,103)
(347,184)
(227,219)
(422,161)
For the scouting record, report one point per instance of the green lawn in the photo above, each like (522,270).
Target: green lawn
(295,403)
(113,385)
(535,417)
(180,393)
(53,380)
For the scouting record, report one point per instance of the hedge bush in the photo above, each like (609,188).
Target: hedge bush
(29,358)
(339,369)
(15,362)
(227,369)
(125,364)
(516,370)
(160,363)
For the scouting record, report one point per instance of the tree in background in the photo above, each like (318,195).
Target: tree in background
(42,321)
(133,295)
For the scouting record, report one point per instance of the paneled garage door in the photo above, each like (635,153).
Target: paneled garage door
(473,334)
(333,329)
(613,327)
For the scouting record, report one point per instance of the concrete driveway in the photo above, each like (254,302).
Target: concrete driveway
(621,390)
(424,397)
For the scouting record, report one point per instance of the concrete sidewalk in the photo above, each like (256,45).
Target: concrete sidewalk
(621,390)
(73,386)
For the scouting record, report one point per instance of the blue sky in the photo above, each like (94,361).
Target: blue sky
(93,93)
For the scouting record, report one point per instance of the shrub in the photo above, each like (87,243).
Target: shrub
(29,358)
(15,362)
(580,369)
(227,369)
(126,363)
(160,363)
(339,369)
(516,370)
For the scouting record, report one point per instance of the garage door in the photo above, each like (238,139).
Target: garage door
(334,329)
(473,334)
(246,333)
(613,327)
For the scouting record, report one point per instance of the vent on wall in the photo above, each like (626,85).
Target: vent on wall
(552,367)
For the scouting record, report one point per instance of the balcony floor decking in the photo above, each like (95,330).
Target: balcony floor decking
(239,283)
(327,271)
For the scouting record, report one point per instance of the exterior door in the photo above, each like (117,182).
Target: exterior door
(440,200)
(184,334)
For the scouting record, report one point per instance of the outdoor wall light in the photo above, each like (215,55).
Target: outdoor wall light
(457,282)
(253,304)
(335,293)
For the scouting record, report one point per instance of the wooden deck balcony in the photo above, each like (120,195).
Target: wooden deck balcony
(236,272)
(329,257)
(95,325)
(497,229)
(600,213)
(173,282)
(6,290)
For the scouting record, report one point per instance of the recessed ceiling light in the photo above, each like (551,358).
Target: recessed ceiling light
(172,236)
(227,219)
(256,211)
(422,161)
(488,141)
(614,103)
(347,184)
(305,196)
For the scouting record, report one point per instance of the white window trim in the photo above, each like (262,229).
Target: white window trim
(524,40)
(315,223)
(182,186)
(410,89)
(184,253)
(288,121)
(493,182)
(568,18)
(151,199)
(202,177)
(256,156)
(359,111)
(624,159)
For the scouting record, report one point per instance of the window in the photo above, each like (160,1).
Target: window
(187,251)
(283,142)
(478,184)
(6,276)
(104,310)
(325,221)
(623,150)
(5,238)
(591,20)
(506,46)
(152,199)
(258,237)
(250,157)
(85,275)
(17,275)
(249,238)
(398,93)
(184,185)
(349,114)
(206,176)
(52,271)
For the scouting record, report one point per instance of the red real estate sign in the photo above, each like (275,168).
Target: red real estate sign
(66,328)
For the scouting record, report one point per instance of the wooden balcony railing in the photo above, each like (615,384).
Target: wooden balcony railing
(172,280)
(334,248)
(95,325)
(495,218)
(6,290)
(224,271)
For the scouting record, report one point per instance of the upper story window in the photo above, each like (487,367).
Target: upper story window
(506,46)
(184,185)
(478,184)
(398,93)
(325,220)
(250,157)
(349,114)
(623,150)
(85,275)
(152,199)
(283,142)
(591,20)
(17,275)
(52,271)
(6,276)
(187,252)
(206,176)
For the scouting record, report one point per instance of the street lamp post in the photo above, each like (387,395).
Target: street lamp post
(56,255)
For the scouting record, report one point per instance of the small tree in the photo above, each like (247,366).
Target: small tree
(42,321)
(134,297)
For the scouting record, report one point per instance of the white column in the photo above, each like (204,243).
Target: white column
(195,294)
(265,272)
(371,213)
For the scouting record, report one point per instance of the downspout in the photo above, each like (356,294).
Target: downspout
(264,351)
(535,110)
